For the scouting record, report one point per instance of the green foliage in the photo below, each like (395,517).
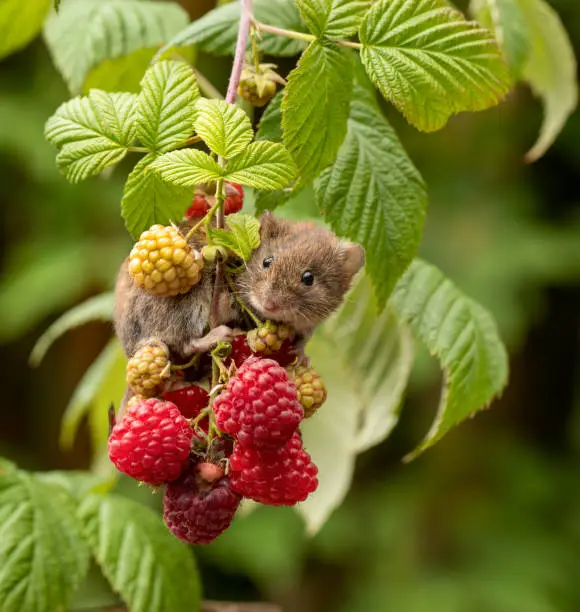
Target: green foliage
(333,19)
(42,554)
(186,168)
(225,129)
(151,569)
(97,308)
(216,32)
(102,384)
(148,200)
(92,133)
(539,52)
(270,126)
(381,205)
(165,107)
(365,358)
(242,235)
(464,337)
(429,62)
(20,23)
(263,165)
(86,32)
(313,133)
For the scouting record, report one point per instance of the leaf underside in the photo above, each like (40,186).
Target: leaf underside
(540,53)
(462,335)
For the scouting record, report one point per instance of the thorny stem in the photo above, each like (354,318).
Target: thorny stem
(263,27)
(219,268)
(243,31)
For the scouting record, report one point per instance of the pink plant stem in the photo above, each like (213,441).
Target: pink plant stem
(243,32)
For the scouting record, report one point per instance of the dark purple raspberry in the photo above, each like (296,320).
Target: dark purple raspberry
(198,511)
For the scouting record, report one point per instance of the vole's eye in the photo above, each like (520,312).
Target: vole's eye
(268,262)
(307,278)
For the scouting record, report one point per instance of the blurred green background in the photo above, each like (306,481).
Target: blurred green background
(487,521)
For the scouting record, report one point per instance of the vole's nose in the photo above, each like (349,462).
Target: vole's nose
(271,303)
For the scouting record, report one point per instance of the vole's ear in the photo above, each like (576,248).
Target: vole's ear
(272,227)
(353,260)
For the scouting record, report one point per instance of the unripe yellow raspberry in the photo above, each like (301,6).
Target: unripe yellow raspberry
(163,263)
(310,389)
(258,83)
(148,370)
(269,337)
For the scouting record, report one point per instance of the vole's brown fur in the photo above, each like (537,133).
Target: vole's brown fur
(276,292)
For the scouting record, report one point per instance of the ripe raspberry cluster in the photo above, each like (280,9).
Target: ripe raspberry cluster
(204,199)
(209,455)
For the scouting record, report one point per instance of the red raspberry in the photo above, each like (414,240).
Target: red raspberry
(240,351)
(190,400)
(198,208)
(282,477)
(151,442)
(197,510)
(259,406)
(286,355)
(234,198)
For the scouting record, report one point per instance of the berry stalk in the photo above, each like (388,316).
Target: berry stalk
(243,32)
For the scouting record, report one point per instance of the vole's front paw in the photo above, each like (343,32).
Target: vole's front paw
(222,333)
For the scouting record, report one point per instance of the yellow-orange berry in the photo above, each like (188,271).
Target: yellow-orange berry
(163,263)
(148,370)
(309,387)
(269,337)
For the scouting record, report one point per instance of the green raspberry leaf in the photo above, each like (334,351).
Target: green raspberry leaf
(92,132)
(165,107)
(430,62)
(263,165)
(217,31)
(96,308)
(151,569)
(186,168)
(507,21)
(270,126)
(148,200)
(364,355)
(242,235)
(20,23)
(42,553)
(380,205)
(313,134)
(541,54)
(103,382)
(333,19)
(462,335)
(86,32)
(225,128)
